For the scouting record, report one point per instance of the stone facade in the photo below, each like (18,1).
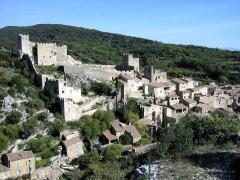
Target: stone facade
(129,87)
(154,75)
(159,89)
(130,61)
(4,172)
(20,163)
(50,54)
(42,53)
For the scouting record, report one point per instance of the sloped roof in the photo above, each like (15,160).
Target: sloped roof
(189,101)
(132,130)
(145,121)
(72,141)
(157,85)
(179,81)
(179,106)
(109,135)
(173,95)
(116,126)
(19,155)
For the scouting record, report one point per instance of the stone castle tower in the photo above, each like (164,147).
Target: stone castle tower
(130,61)
(24,45)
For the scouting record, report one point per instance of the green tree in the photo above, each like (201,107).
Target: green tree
(125,139)
(89,158)
(36,103)
(14,117)
(12,131)
(4,142)
(30,126)
(112,152)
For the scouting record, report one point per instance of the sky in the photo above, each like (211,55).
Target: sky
(212,23)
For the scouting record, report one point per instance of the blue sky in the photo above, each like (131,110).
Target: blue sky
(213,23)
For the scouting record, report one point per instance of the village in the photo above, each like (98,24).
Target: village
(161,101)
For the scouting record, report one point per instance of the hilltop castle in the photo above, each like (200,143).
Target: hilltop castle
(42,53)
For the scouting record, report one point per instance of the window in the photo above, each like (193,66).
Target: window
(19,172)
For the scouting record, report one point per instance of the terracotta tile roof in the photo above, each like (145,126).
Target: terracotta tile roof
(179,81)
(169,83)
(72,141)
(132,130)
(205,106)
(187,79)
(109,135)
(19,155)
(126,77)
(179,106)
(116,126)
(69,133)
(189,101)
(145,121)
(144,149)
(157,85)
(172,95)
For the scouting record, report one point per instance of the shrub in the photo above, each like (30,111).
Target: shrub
(4,142)
(43,116)
(43,163)
(14,117)
(36,103)
(113,152)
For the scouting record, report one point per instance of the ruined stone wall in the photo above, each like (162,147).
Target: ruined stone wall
(129,60)
(70,110)
(46,54)
(154,75)
(25,46)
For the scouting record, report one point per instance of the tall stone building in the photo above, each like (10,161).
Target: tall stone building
(20,163)
(130,61)
(42,53)
(154,75)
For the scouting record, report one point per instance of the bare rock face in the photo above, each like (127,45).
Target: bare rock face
(7,103)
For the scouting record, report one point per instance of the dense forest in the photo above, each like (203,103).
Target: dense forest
(94,46)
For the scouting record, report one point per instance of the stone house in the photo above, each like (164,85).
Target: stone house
(108,138)
(184,94)
(154,75)
(198,91)
(150,124)
(4,172)
(173,99)
(184,83)
(179,108)
(72,148)
(116,129)
(181,85)
(190,103)
(20,163)
(72,145)
(133,132)
(204,108)
(69,134)
(152,111)
(49,172)
(216,101)
(128,87)
(158,89)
